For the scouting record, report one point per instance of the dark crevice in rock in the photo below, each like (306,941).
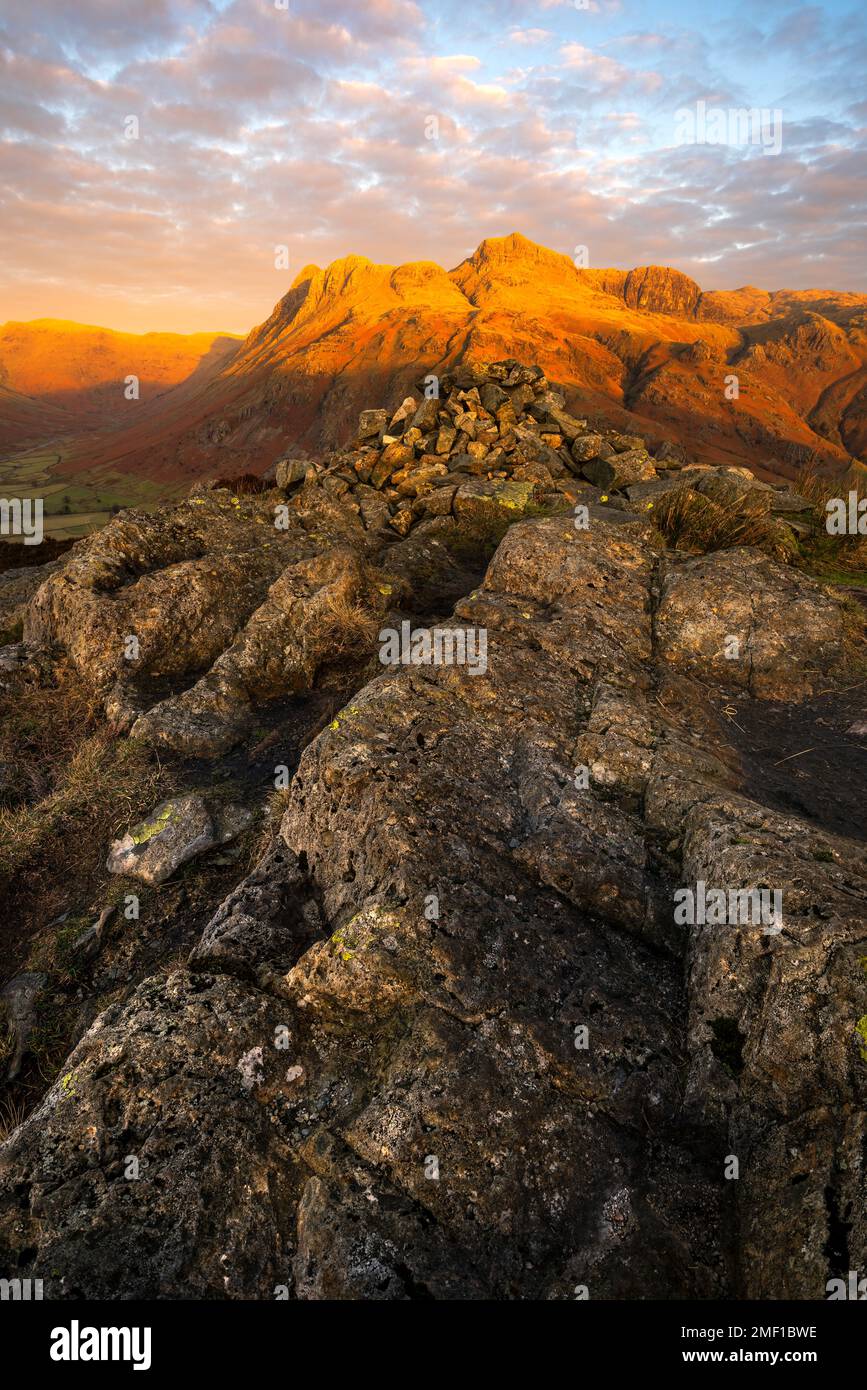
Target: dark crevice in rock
(839,1229)
(728,1044)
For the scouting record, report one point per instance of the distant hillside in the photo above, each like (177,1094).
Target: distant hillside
(58,376)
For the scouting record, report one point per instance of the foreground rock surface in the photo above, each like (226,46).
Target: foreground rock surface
(446,1039)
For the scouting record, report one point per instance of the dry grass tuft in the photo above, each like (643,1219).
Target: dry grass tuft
(837,558)
(345,628)
(7,1043)
(244,485)
(70,788)
(820,488)
(276,804)
(12,1114)
(40,730)
(689,521)
(101,789)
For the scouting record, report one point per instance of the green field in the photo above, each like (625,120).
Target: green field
(73,505)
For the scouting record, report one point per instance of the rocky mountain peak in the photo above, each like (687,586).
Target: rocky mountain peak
(503,264)
(618,341)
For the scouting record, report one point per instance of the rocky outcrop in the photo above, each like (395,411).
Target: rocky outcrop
(737,618)
(162,594)
(237,598)
(450,1038)
(660,290)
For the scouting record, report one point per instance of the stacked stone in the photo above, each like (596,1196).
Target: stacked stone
(492,433)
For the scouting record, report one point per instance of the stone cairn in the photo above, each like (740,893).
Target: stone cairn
(496,443)
(495,436)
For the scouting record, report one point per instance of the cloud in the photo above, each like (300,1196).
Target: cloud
(405,131)
(607,73)
(445,63)
(529,36)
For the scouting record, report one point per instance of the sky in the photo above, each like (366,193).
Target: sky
(156,154)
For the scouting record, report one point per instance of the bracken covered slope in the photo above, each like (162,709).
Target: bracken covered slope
(446,1039)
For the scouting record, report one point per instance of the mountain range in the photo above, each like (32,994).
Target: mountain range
(768,379)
